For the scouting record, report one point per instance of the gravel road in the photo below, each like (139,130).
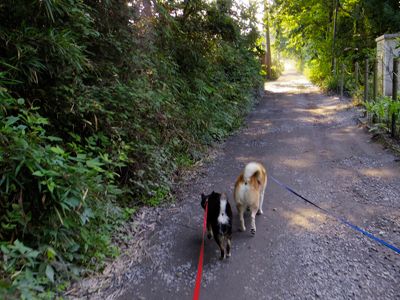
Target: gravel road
(311,142)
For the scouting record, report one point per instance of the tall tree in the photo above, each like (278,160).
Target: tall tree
(268,56)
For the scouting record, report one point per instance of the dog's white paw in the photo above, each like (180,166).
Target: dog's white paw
(253,231)
(260,212)
(228,255)
(242,229)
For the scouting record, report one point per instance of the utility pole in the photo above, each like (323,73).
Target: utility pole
(336,7)
(268,60)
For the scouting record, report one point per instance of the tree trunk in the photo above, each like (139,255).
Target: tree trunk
(336,7)
(147,8)
(268,59)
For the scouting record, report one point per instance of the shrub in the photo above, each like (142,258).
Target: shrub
(52,198)
(381,111)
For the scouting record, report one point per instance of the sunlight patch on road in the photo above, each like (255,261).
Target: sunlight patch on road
(262,122)
(295,84)
(308,120)
(343,134)
(291,81)
(378,173)
(296,162)
(305,218)
(247,159)
(321,114)
(328,110)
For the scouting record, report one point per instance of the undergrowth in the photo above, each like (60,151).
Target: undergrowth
(381,111)
(100,104)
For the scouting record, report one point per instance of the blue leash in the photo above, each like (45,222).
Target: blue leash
(340,219)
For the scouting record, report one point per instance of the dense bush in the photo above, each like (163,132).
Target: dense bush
(100,103)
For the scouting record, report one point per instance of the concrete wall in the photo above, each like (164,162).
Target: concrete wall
(386,50)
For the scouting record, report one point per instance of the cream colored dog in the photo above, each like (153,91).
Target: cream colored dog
(249,192)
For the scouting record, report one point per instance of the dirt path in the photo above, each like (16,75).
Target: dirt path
(311,142)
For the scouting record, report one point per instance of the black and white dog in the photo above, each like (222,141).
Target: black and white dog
(219,221)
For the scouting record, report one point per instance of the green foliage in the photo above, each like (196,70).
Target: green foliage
(382,110)
(277,69)
(157,197)
(305,30)
(52,198)
(100,104)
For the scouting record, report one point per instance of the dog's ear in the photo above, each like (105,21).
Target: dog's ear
(203,200)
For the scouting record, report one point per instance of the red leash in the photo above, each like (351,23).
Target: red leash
(200,265)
